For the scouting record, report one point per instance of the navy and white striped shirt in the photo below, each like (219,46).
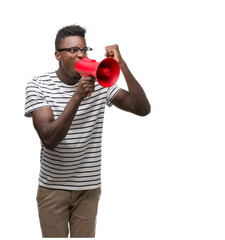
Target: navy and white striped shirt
(75,164)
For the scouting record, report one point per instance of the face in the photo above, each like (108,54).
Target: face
(67,59)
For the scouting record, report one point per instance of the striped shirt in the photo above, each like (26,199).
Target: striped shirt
(75,164)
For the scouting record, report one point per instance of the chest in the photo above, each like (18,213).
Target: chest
(91,106)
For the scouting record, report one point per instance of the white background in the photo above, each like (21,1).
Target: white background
(163,175)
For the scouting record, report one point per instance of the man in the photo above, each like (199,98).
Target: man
(67,112)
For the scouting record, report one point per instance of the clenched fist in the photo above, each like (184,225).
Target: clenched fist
(113,51)
(86,87)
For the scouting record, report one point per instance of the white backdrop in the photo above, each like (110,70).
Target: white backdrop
(169,181)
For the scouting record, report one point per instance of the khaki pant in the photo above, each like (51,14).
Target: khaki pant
(61,212)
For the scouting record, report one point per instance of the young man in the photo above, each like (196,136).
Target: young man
(67,112)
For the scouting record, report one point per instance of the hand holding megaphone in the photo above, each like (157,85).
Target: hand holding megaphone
(86,87)
(106,72)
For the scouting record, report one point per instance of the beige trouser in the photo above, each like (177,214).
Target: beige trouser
(61,212)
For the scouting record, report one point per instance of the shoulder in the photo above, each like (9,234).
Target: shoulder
(41,79)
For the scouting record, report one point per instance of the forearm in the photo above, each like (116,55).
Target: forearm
(55,131)
(137,95)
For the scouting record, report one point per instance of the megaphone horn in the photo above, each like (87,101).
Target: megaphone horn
(106,72)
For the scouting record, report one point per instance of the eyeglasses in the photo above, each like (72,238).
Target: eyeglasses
(76,49)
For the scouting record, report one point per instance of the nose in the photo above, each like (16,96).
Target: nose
(81,54)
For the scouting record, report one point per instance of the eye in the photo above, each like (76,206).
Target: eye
(75,49)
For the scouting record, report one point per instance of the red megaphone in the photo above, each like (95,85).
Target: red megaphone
(106,72)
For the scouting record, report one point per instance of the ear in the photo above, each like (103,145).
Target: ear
(58,56)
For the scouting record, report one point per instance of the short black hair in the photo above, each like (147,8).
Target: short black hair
(72,30)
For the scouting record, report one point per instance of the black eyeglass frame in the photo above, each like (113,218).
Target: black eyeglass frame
(76,49)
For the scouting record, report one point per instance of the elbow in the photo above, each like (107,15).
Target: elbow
(143,111)
(49,144)
(147,111)
(142,107)
(50,147)
(48,139)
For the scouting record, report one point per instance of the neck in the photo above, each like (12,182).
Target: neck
(65,78)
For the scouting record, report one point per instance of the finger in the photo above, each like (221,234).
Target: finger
(89,79)
(115,46)
(110,53)
(88,85)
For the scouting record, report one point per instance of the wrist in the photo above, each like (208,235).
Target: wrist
(122,64)
(78,97)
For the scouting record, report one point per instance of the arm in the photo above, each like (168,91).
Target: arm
(51,131)
(134,100)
